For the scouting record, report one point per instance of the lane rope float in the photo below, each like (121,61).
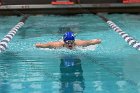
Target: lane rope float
(7,38)
(130,40)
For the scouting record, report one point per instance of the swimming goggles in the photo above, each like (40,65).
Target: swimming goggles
(69,41)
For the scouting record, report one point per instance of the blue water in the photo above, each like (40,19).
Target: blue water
(112,67)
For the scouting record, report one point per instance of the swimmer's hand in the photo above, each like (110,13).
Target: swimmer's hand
(37,45)
(96,41)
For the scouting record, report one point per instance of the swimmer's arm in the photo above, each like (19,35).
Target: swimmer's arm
(93,42)
(49,45)
(40,45)
(88,42)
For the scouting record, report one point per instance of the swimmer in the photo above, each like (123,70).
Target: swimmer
(68,42)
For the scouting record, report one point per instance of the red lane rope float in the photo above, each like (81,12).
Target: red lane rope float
(4,42)
(130,40)
(131,1)
(62,2)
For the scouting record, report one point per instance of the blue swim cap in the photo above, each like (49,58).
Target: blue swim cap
(68,36)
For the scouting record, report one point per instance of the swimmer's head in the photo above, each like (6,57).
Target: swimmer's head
(68,36)
(69,40)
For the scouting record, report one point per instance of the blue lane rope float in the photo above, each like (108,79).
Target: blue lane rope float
(130,40)
(4,42)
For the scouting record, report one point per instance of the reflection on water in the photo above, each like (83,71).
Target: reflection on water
(4,87)
(72,80)
(7,69)
(131,68)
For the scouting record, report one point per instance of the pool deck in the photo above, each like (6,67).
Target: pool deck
(69,9)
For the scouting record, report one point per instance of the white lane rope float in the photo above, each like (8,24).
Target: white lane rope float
(4,42)
(130,40)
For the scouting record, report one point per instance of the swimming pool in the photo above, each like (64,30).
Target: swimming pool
(111,67)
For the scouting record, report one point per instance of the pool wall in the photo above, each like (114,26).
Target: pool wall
(20,2)
(15,7)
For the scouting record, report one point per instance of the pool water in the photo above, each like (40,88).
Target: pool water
(110,67)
